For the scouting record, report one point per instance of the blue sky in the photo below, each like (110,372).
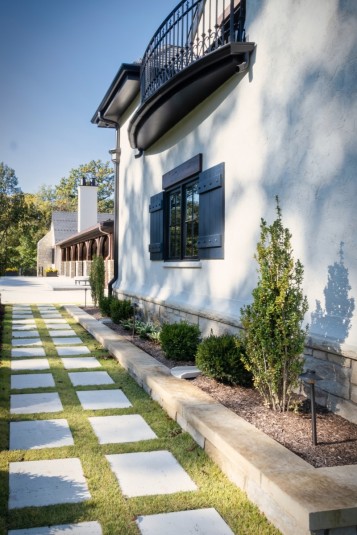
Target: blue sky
(57,60)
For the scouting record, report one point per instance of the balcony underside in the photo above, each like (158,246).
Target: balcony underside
(182,93)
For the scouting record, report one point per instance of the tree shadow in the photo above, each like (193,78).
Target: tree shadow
(333,322)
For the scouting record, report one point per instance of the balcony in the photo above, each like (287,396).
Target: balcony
(196,49)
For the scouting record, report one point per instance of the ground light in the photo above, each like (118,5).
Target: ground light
(310,377)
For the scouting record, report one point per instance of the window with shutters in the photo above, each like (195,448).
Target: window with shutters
(187,217)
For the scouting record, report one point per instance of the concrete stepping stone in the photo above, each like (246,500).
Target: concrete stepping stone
(22,315)
(54,320)
(51,315)
(90,378)
(21,307)
(62,326)
(24,334)
(67,341)
(30,364)
(93,400)
(32,380)
(26,327)
(83,528)
(185,372)
(121,429)
(35,403)
(149,473)
(28,352)
(74,363)
(68,351)
(40,483)
(27,342)
(40,434)
(197,522)
(64,332)
(23,321)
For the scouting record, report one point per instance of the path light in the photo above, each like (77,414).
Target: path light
(310,377)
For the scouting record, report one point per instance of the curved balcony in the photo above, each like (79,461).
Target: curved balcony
(196,49)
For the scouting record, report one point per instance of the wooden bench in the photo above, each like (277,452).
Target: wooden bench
(79,280)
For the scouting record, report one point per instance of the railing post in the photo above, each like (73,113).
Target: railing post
(231,22)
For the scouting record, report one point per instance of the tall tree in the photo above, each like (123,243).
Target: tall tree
(66,193)
(12,205)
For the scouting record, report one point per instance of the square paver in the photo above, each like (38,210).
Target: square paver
(148,473)
(23,315)
(32,380)
(40,483)
(54,320)
(72,350)
(90,378)
(67,341)
(58,326)
(198,522)
(64,332)
(83,528)
(40,434)
(103,399)
(28,352)
(25,334)
(121,429)
(30,364)
(75,363)
(35,403)
(17,342)
(51,315)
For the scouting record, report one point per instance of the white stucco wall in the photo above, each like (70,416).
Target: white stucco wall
(286,127)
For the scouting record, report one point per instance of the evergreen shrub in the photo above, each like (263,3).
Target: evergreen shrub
(220,357)
(97,279)
(179,341)
(120,309)
(104,305)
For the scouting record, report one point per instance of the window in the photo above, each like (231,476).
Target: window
(187,217)
(183,218)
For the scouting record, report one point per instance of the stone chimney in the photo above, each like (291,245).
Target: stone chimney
(87,204)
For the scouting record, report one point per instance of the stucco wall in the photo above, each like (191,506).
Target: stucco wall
(286,127)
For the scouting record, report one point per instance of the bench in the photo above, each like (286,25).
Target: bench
(79,280)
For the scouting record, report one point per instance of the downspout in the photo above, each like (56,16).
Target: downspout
(116,162)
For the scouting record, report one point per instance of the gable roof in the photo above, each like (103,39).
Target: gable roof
(65,224)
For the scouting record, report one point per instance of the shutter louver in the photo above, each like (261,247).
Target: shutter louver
(211,210)
(156,209)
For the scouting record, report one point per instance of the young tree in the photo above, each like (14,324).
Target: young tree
(273,322)
(66,193)
(97,279)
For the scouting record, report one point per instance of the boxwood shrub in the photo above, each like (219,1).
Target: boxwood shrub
(180,340)
(120,309)
(219,357)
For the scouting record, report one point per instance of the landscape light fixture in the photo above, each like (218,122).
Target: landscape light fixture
(310,377)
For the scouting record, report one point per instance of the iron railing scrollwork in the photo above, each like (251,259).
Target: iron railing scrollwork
(192,30)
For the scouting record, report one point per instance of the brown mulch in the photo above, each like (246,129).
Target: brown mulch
(336,437)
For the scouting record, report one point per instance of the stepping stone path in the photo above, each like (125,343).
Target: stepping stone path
(52,481)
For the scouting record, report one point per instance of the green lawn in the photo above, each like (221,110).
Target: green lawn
(115,513)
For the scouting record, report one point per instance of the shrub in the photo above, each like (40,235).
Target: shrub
(104,305)
(220,357)
(51,270)
(120,310)
(97,279)
(272,323)
(180,340)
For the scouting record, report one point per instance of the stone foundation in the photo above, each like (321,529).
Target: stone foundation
(337,389)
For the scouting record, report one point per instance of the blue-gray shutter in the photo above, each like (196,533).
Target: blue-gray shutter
(211,218)
(156,209)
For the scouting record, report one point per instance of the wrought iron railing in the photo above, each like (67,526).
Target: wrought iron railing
(192,30)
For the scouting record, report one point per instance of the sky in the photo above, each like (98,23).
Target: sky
(57,60)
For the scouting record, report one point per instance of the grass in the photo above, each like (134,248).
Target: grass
(107,505)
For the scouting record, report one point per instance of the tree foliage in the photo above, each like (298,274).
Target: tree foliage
(97,279)
(273,322)
(65,195)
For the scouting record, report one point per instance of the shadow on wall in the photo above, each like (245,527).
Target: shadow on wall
(333,322)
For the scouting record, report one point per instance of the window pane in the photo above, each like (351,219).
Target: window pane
(191,220)
(175,224)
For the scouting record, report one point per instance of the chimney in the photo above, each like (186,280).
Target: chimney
(87,204)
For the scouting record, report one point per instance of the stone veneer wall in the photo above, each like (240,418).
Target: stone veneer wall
(44,253)
(338,369)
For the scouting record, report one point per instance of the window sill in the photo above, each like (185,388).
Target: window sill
(187,264)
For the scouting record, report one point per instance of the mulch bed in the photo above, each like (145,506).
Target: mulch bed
(337,437)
